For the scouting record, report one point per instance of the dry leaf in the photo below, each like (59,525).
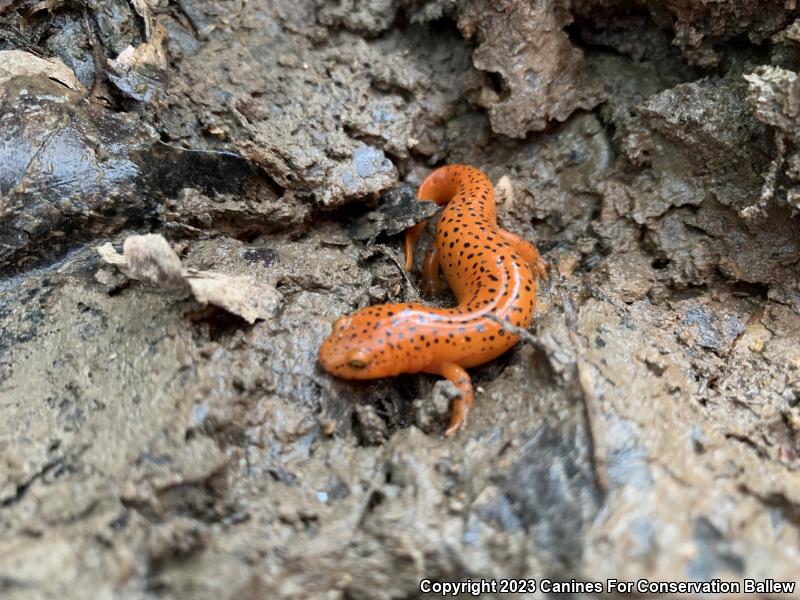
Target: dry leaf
(14,63)
(504,192)
(111,256)
(151,53)
(150,258)
(240,295)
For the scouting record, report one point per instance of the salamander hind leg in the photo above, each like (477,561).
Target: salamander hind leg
(431,279)
(410,239)
(461,406)
(528,252)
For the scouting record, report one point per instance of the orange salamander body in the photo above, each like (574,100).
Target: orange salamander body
(492,273)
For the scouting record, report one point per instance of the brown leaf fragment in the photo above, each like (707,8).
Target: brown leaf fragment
(240,295)
(150,258)
(16,63)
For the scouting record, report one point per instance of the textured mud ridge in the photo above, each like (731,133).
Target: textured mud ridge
(155,446)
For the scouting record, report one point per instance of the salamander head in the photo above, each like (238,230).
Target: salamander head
(355,349)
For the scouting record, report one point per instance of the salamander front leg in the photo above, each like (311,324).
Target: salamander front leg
(528,252)
(461,406)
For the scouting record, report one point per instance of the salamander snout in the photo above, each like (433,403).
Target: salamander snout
(346,352)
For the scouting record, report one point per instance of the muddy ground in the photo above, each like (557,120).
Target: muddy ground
(153,446)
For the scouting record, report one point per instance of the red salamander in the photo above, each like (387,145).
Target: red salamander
(490,270)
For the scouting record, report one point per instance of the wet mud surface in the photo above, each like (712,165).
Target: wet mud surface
(155,444)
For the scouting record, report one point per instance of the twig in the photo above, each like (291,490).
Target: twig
(518,331)
(18,37)
(590,402)
(414,292)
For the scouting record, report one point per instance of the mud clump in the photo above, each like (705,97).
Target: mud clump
(542,74)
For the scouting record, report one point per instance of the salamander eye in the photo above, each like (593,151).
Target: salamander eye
(357,359)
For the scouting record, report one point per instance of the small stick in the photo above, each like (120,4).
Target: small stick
(518,331)
(590,401)
(414,293)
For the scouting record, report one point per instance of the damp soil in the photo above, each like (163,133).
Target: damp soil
(155,446)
